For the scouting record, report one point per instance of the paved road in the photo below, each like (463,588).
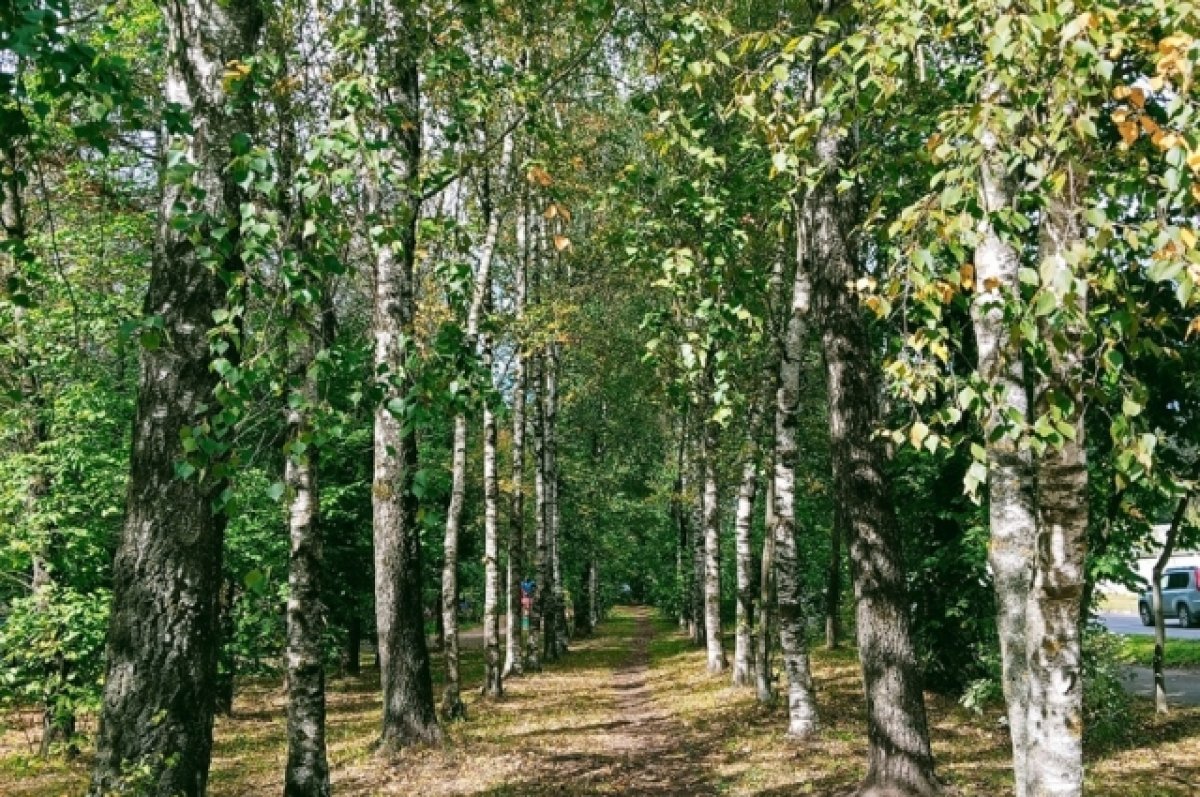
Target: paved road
(1131,624)
(1183,686)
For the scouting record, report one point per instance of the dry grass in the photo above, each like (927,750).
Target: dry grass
(619,718)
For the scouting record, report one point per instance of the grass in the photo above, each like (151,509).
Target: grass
(608,720)
(1178,654)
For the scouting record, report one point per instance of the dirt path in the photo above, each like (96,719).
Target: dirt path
(656,756)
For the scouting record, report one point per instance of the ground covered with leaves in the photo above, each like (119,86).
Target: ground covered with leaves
(631,712)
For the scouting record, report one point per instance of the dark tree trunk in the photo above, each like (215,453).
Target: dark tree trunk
(541,556)
(900,761)
(353,650)
(763,677)
(164,632)
(409,715)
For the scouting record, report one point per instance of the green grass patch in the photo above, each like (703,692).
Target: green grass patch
(1179,653)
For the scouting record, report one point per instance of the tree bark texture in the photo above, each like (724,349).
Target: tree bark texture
(1053,642)
(453,707)
(793,642)
(900,760)
(409,715)
(514,655)
(1011,499)
(763,677)
(833,582)
(163,636)
(743,648)
(711,514)
(541,555)
(307,770)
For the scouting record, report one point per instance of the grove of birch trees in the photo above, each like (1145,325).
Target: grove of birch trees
(334,328)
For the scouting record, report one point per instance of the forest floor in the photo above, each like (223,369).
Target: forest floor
(631,711)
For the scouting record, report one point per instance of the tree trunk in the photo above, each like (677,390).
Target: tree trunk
(514,644)
(555,618)
(1160,630)
(452,705)
(714,641)
(1053,640)
(1011,508)
(541,557)
(307,771)
(900,761)
(833,582)
(763,677)
(493,685)
(353,650)
(226,658)
(793,641)
(743,650)
(696,511)
(593,603)
(163,637)
(409,715)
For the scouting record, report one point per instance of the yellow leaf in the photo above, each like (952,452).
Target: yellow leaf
(1076,26)
(1188,237)
(1196,191)
(1194,327)
(1128,131)
(917,434)
(991,284)
(562,242)
(1138,98)
(966,276)
(1193,161)
(1121,92)
(551,211)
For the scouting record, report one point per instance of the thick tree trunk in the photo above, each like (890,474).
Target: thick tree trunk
(409,715)
(900,761)
(163,636)
(743,648)
(1011,507)
(833,582)
(789,588)
(763,677)
(1053,640)
(714,639)
(307,771)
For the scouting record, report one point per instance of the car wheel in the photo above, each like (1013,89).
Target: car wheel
(1147,616)
(1184,615)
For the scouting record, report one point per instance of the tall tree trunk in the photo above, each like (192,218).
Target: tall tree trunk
(1011,507)
(900,760)
(833,582)
(514,643)
(763,677)
(452,705)
(714,641)
(1053,640)
(789,587)
(593,602)
(493,678)
(682,550)
(743,650)
(163,637)
(541,555)
(696,512)
(307,770)
(556,619)
(409,715)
